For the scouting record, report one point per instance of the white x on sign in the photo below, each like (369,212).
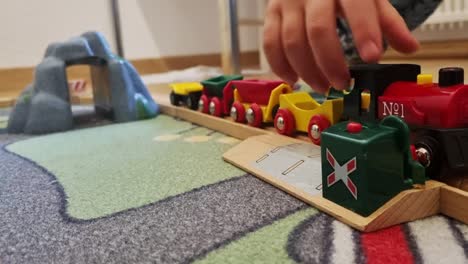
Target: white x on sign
(342,173)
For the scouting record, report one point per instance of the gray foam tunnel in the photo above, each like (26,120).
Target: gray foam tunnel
(118,91)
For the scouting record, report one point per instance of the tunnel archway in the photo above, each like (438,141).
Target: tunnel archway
(118,91)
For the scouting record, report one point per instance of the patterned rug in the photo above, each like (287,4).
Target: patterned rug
(158,191)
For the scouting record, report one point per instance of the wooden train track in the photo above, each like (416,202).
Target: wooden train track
(435,197)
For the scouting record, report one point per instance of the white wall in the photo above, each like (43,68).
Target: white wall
(150,28)
(157,28)
(27,27)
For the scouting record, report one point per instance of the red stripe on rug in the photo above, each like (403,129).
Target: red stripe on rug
(386,246)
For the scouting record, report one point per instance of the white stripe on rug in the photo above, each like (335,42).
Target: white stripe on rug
(436,242)
(343,251)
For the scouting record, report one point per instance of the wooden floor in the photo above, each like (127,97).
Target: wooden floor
(7,97)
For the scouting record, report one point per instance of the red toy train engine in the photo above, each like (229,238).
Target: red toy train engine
(436,113)
(427,104)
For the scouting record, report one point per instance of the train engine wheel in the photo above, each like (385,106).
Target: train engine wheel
(238,112)
(285,123)
(254,115)
(317,124)
(428,154)
(203,104)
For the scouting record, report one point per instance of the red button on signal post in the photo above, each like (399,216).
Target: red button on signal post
(354,127)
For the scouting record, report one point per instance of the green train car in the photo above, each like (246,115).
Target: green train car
(217,95)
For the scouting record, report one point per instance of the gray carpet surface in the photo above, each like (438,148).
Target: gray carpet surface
(306,234)
(35,229)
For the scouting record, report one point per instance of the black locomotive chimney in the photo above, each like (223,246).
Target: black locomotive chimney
(451,76)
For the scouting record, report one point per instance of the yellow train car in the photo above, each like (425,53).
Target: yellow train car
(301,112)
(187,93)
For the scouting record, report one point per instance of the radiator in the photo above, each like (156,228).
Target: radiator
(450,15)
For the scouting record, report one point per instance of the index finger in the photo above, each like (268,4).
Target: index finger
(364,22)
(273,48)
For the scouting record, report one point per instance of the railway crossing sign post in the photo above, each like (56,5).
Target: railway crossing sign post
(370,162)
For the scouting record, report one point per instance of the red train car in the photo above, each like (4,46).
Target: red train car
(256,101)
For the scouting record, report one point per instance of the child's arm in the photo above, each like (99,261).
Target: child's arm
(301,39)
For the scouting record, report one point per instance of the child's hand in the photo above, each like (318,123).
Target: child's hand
(300,38)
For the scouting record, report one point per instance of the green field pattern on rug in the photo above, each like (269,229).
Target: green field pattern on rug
(108,169)
(267,245)
(3,121)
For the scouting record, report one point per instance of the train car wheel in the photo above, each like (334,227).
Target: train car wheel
(317,124)
(238,112)
(254,115)
(215,107)
(192,101)
(174,98)
(203,104)
(285,123)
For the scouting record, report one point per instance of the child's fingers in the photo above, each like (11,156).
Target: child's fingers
(273,47)
(363,19)
(324,41)
(297,48)
(395,29)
